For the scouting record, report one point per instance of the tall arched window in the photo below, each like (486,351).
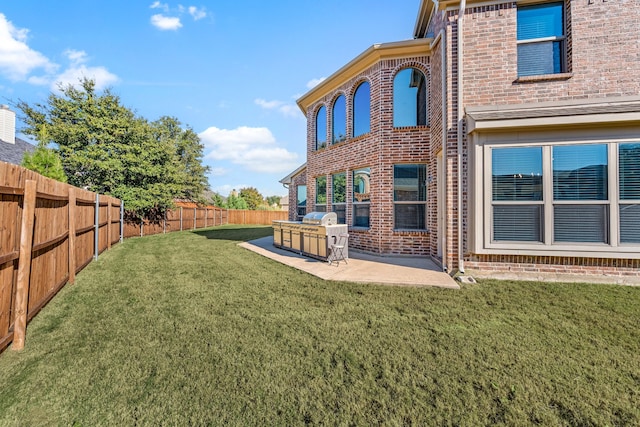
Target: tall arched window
(339,120)
(321,128)
(362,109)
(410,98)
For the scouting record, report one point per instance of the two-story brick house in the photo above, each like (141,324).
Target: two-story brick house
(503,139)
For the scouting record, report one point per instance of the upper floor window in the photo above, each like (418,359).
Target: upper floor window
(339,120)
(362,109)
(541,39)
(409,98)
(321,128)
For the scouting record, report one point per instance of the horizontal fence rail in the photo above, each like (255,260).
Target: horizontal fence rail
(49,231)
(190,218)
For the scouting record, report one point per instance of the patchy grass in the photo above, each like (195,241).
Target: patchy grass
(188,328)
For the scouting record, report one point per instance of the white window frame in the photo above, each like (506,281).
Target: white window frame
(564,48)
(481,198)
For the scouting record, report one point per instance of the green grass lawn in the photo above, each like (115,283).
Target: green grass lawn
(190,329)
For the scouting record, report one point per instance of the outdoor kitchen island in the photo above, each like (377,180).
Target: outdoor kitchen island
(314,236)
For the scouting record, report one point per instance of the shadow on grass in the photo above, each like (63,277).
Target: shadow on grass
(239,233)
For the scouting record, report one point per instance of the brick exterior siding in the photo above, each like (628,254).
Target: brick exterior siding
(603,61)
(379,150)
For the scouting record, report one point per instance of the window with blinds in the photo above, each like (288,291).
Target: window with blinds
(410,196)
(629,189)
(517,194)
(580,174)
(541,39)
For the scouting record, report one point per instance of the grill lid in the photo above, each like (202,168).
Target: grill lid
(320,218)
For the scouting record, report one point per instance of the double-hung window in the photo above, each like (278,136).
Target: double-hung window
(518,209)
(541,39)
(629,189)
(580,193)
(339,196)
(361,197)
(321,194)
(410,197)
(566,196)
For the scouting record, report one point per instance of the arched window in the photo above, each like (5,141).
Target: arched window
(362,109)
(321,128)
(339,121)
(409,98)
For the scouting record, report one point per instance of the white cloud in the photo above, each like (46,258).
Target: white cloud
(218,171)
(196,13)
(252,148)
(286,109)
(17,59)
(165,23)
(268,104)
(315,82)
(73,75)
(78,69)
(158,5)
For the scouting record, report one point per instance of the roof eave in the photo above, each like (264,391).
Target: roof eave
(374,54)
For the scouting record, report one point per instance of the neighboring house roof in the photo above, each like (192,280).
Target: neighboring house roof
(13,153)
(287,179)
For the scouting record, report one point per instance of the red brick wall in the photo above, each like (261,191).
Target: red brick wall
(380,149)
(603,44)
(603,61)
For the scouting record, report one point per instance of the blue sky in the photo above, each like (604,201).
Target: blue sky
(231,70)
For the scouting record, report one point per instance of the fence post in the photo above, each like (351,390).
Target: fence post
(195,217)
(72,235)
(121,220)
(180,218)
(96,236)
(206,213)
(109,223)
(141,227)
(24,264)
(164,224)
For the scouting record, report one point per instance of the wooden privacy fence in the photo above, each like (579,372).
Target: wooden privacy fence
(190,218)
(182,218)
(256,217)
(49,231)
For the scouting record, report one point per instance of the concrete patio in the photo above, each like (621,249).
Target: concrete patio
(361,267)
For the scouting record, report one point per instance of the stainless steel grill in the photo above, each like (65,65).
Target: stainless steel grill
(314,236)
(320,218)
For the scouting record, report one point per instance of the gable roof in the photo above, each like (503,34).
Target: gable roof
(287,179)
(13,153)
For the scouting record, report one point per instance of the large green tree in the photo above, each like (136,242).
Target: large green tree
(189,153)
(106,148)
(252,196)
